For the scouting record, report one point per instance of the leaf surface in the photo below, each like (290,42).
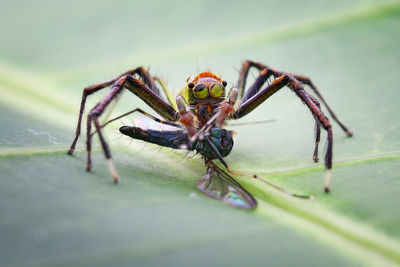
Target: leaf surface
(55,213)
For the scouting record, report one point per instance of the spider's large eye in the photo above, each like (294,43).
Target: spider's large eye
(216,89)
(201,90)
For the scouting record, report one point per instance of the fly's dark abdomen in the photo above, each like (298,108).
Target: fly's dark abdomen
(173,139)
(220,138)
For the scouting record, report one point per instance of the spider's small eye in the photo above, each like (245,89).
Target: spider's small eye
(224,83)
(201,90)
(191,85)
(217,89)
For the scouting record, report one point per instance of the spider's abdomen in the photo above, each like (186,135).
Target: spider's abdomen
(222,140)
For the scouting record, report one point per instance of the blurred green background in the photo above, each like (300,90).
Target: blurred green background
(55,213)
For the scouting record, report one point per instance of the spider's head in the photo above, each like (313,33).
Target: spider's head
(206,87)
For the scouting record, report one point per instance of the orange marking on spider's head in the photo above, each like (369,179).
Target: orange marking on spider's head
(206,78)
(203,88)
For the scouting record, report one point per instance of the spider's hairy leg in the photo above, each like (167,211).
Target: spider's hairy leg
(264,75)
(86,92)
(307,81)
(138,88)
(243,96)
(186,117)
(226,108)
(317,113)
(253,102)
(97,87)
(93,116)
(166,90)
(317,129)
(292,83)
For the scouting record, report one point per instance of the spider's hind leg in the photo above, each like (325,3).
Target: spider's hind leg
(317,128)
(307,81)
(140,89)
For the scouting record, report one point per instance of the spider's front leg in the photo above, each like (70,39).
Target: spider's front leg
(186,117)
(93,116)
(227,107)
(265,73)
(147,93)
(140,71)
(287,80)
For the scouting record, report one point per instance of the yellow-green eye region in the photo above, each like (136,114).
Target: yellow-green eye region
(200,90)
(216,90)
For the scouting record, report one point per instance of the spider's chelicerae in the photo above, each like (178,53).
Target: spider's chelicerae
(198,113)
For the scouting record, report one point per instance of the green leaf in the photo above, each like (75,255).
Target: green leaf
(56,213)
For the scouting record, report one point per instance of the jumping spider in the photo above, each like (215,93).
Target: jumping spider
(199,113)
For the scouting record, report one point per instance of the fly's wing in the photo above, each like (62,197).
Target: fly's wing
(218,184)
(150,124)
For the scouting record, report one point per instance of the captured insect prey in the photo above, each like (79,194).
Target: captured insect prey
(198,116)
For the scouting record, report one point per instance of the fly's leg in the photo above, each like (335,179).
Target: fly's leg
(221,159)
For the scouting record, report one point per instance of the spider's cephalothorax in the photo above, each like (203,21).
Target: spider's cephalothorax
(198,113)
(203,94)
